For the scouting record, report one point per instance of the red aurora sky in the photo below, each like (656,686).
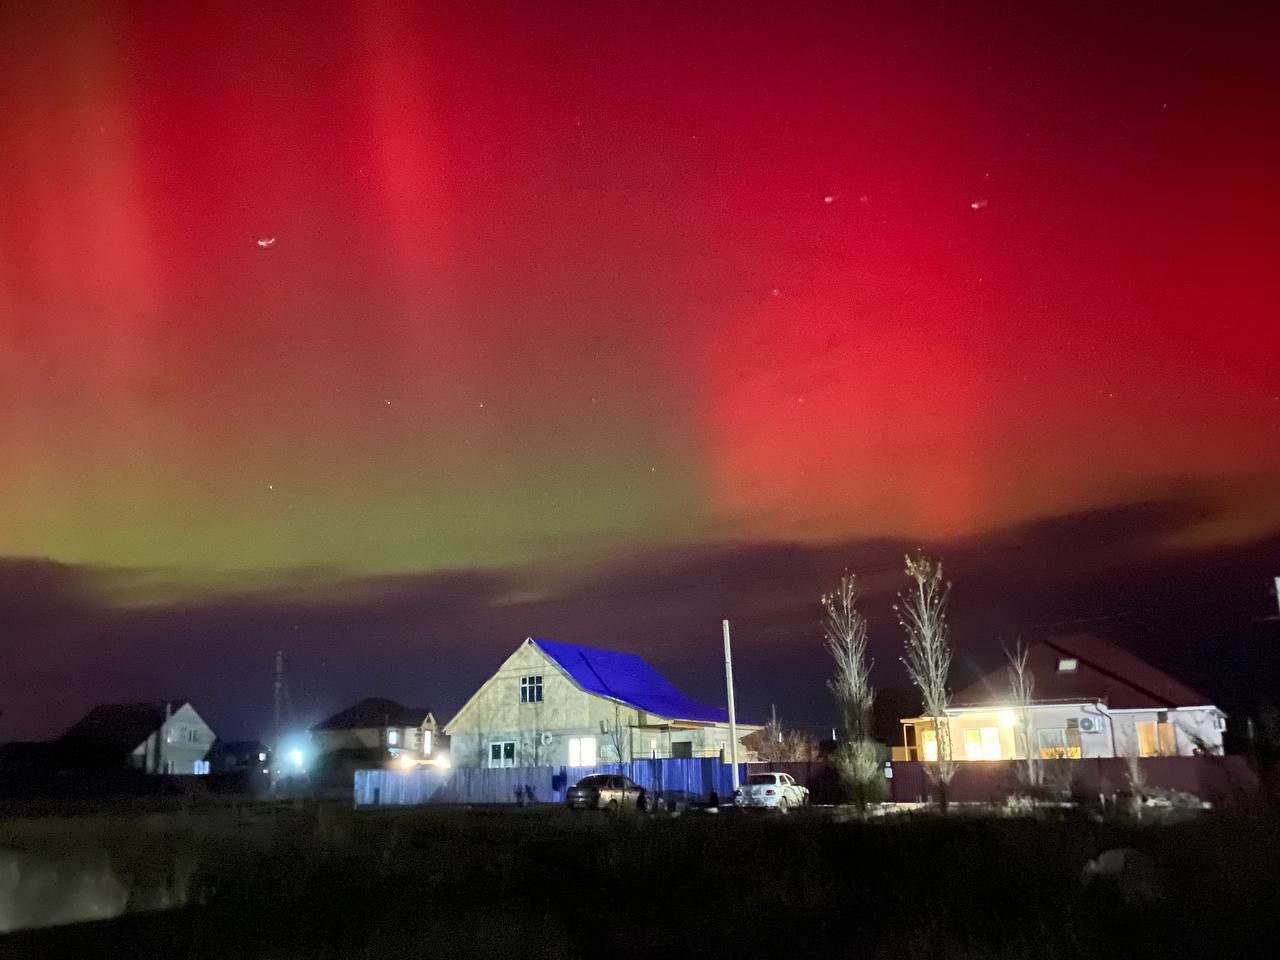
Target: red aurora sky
(549,279)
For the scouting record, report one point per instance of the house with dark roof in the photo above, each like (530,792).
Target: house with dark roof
(167,737)
(1090,698)
(559,704)
(378,724)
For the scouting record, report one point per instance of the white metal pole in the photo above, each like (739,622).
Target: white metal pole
(1278,594)
(733,720)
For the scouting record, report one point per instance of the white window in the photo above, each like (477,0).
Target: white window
(531,689)
(582,751)
(653,747)
(982,744)
(261,757)
(1068,665)
(200,767)
(426,741)
(393,737)
(502,753)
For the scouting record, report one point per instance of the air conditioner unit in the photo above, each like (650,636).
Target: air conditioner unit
(1090,725)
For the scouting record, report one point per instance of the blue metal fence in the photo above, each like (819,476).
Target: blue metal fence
(676,781)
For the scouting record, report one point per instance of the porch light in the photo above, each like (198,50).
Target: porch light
(1006,718)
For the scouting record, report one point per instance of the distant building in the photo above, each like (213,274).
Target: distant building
(1091,699)
(377,724)
(168,737)
(240,756)
(557,704)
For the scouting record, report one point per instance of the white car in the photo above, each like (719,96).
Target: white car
(773,791)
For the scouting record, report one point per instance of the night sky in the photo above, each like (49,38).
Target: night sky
(391,335)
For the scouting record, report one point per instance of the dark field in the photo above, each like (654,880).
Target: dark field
(543,883)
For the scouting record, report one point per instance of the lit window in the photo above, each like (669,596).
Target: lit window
(531,689)
(426,741)
(1156,739)
(1068,665)
(929,745)
(582,751)
(200,767)
(262,757)
(393,737)
(502,753)
(653,747)
(983,744)
(1062,744)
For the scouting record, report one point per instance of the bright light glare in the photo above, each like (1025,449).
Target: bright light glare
(441,761)
(1006,718)
(296,757)
(407,762)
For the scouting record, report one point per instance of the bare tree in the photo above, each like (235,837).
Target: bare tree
(1022,685)
(922,612)
(619,736)
(775,744)
(857,756)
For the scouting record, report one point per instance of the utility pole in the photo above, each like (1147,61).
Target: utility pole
(277,695)
(733,720)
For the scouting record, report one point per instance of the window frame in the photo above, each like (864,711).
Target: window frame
(531,688)
(500,747)
(576,745)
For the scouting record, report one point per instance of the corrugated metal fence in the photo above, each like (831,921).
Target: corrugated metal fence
(675,781)
(1217,779)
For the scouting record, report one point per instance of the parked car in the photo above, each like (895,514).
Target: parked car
(773,791)
(611,792)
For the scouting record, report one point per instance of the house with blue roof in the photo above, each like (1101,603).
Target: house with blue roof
(560,704)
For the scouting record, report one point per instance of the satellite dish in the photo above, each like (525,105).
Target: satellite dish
(547,737)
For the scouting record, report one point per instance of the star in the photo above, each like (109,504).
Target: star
(271,486)
(266,242)
(387,402)
(978,205)
(829,198)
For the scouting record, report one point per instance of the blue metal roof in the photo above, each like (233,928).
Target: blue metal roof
(626,677)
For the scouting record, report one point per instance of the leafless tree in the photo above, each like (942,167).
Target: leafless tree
(857,756)
(776,744)
(1022,685)
(619,736)
(922,612)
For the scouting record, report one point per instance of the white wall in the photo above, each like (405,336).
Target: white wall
(181,740)
(1116,735)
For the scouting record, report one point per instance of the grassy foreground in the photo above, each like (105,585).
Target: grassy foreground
(543,883)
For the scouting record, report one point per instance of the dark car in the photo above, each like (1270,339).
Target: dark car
(610,792)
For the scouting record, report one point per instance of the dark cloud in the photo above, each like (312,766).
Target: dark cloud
(72,636)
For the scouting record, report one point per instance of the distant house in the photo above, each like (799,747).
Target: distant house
(376,724)
(239,756)
(1091,699)
(167,737)
(558,704)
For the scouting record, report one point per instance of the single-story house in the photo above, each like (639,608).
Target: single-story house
(559,704)
(378,724)
(167,737)
(1091,698)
